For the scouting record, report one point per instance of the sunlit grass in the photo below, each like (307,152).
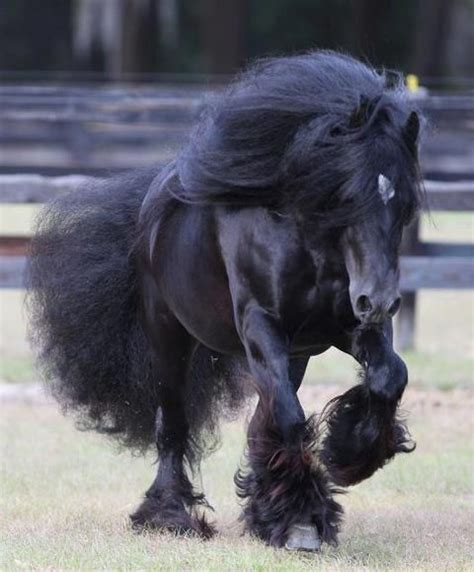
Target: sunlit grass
(17,369)
(66,496)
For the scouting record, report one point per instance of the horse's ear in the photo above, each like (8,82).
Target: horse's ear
(411,131)
(359,115)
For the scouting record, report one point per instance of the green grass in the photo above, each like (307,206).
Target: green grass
(66,496)
(15,369)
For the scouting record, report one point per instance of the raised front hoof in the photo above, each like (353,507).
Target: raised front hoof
(152,516)
(303,537)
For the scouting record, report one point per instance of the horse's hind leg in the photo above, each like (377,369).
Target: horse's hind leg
(170,503)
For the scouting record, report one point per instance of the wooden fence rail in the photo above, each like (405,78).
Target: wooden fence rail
(96,129)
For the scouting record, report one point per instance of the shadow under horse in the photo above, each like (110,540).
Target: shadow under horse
(159,297)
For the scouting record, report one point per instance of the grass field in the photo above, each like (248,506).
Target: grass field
(65,495)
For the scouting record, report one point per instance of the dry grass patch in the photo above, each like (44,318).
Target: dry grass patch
(66,496)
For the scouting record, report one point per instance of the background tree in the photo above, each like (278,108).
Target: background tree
(116,37)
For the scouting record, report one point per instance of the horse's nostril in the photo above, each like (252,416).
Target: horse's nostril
(363,304)
(394,307)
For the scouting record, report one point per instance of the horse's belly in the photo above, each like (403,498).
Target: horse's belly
(204,307)
(309,351)
(211,322)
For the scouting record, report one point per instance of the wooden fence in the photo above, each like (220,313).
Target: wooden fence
(95,130)
(48,133)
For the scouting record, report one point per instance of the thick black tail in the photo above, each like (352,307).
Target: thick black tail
(83,301)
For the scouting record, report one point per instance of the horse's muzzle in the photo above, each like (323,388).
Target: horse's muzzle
(373,309)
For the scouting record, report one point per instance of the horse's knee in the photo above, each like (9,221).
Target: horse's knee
(388,381)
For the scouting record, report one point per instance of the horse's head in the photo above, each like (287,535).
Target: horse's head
(371,245)
(327,141)
(356,186)
(370,248)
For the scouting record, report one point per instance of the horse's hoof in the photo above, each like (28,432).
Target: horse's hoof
(303,537)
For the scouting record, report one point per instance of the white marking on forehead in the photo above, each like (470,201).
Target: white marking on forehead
(386,188)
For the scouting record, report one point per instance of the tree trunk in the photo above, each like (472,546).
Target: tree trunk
(434,18)
(223,25)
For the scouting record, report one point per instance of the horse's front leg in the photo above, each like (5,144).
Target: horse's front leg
(287,498)
(363,431)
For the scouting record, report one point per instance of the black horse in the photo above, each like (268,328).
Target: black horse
(159,297)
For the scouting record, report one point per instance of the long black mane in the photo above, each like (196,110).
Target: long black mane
(313,129)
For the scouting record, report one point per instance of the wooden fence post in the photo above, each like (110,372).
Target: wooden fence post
(406,318)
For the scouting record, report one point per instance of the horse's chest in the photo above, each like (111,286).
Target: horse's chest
(316,315)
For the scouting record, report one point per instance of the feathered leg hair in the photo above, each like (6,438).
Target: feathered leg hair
(282,485)
(362,433)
